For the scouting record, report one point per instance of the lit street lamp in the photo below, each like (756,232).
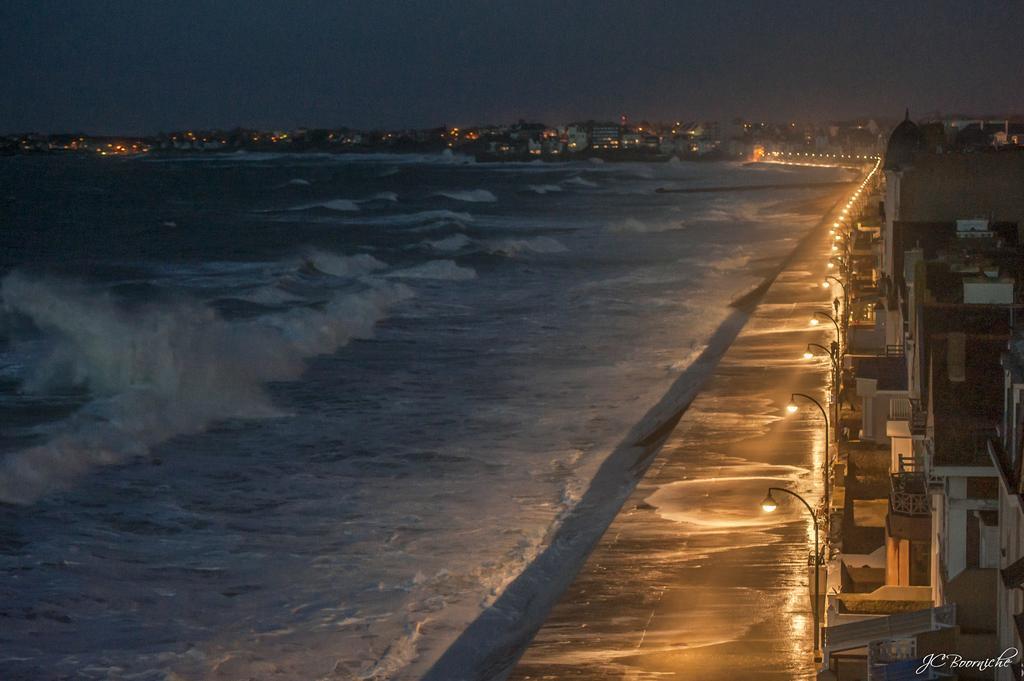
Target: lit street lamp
(831,353)
(815,321)
(792,408)
(769,505)
(846,298)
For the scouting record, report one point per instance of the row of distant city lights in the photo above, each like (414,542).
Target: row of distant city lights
(866,157)
(844,213)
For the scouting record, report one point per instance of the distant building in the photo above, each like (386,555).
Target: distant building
(576,137)
(605,136)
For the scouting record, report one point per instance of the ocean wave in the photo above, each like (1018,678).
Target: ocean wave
(381,196)
(269,296)
(341,265)
(436,269)
(450,244)
(469,195)
(507,247)
(343,205)
(161,370)
(340,205)
(579,182)
(647,227)
(540,244)
(732,262)
(418,218)
(295,182)
(544,188)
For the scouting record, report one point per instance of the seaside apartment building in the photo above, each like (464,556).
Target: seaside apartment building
(928,527)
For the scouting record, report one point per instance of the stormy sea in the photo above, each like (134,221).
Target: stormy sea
(307,416)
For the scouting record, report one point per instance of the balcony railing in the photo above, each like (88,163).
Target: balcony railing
(906,409)
(900,409)
(902,625)
(894,350)
(909,493)
(896,660)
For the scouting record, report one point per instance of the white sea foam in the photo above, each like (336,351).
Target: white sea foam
(647,226)
(270,296)
(470,195)
(342,265)
(540,244)
(160,371)
(418,218)
(506,247)
(381,196)
(732,262)
(579,182)
(544,188)
(343,205)
(450,244)
(294,182)
(436,269)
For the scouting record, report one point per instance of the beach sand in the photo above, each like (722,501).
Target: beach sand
(692,580)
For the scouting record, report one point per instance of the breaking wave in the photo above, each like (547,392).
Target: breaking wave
(508,247)
(341,265)
(648,227)
(579,182)
(540,244)
(418,218)
(344,205)
(470,195)
(296,182)
(381,196)
(451,244)
(161,370)
(544,188)
(436,269)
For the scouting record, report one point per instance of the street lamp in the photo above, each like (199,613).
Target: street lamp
(769,505)
(825,283)
(846,298)
(833,355)
(815,321)
(809,354)
(792,408)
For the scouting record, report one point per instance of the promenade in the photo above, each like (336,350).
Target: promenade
(693,580)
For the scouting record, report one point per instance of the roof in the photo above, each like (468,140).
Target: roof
(890,372)
(906,139)
(969,403)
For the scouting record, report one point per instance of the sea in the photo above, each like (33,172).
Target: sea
(303,416)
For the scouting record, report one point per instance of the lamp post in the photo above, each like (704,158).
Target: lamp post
(769,505)
(833,355)
(792,408)
(830,353)
(841,262)
(846,297)
(838,281)
(815,321)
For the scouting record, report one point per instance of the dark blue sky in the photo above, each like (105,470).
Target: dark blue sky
(147,65)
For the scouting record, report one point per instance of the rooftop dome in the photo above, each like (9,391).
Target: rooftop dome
(904,141)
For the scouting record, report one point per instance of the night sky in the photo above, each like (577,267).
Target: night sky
(139,66)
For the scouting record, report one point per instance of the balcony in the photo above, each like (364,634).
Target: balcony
(906,418)
(896,660)
(909,494)
(909,510)
(898,626)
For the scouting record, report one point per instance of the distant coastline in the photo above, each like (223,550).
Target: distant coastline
(736,140)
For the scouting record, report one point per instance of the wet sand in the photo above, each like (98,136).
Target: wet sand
(691,580)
